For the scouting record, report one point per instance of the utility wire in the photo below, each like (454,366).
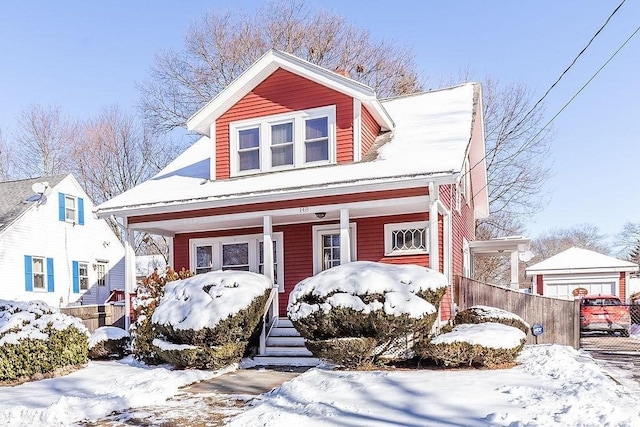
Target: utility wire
(566,104)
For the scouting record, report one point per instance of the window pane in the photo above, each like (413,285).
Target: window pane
(409,239)
(282,133)
(38,265)
(235,254)
(316,128)
(317,151)
(38,280)
(101,273)
(330,250)
(282,155)
(249,160)
(203,257)
(249,138)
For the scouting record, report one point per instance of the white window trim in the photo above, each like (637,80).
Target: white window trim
(75,208)
(44,288)
(80,276)
(388,241)
(264,124)
(106,273)
(254,257)
(319,230)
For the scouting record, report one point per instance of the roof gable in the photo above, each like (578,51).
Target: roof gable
(580,259)
(13,195)
(201,121)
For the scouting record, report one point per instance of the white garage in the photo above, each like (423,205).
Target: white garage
(577,271)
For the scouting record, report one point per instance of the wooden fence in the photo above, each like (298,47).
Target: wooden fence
(559,318)
(94,316)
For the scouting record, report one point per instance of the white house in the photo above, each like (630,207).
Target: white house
(52,247)
(577,272)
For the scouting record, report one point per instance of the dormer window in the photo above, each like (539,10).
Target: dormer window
(283,141)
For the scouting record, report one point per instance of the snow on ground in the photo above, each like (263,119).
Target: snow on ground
(552,385)
(92,393)
(107,333)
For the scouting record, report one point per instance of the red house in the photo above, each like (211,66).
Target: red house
(311,165)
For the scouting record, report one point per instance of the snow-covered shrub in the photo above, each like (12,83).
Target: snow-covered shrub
(187,356)
(149,292)
(109,342)
(348,352)
(363,299)
(485,344)
(36,339)
(483,313)
(216,312)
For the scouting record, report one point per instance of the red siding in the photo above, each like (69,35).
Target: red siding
(462,226)
(623,287)
(284,92)
(370,131)
(283,204)
(540,284)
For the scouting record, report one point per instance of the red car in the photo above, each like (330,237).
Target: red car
(604,313)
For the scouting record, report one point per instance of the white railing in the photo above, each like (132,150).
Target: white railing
(269,319)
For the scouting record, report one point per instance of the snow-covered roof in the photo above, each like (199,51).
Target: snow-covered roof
(430,140)
(578,260)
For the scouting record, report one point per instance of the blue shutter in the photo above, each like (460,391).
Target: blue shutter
(50,286)
(61,212)
(76,276)
(28,273)
(80,211)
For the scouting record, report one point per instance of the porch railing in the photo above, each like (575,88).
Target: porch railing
(269,319)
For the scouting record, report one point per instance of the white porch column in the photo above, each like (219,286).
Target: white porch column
(345,238)
(170,257)
(434,254)
(514,270)
(129,272)
(267,248)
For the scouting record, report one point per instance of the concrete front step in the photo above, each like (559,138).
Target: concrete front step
(285,361)
(287,351)
(284,332)
(285,341)
(283,322)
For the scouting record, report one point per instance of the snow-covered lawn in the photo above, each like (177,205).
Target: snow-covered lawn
(552,385)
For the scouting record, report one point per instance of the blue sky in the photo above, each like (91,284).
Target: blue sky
(85,55)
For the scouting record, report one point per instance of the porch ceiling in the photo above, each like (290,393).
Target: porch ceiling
(302,214)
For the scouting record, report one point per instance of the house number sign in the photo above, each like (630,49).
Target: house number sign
(304,209)
(537,329)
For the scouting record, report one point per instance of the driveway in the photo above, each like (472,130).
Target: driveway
(620,356)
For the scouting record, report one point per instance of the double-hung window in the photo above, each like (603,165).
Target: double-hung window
(283,141)
(38,273)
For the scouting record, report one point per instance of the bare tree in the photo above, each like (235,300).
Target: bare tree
(556,240)
(5,159)
(42,142)
(116,153)
(222,45)
(628,242)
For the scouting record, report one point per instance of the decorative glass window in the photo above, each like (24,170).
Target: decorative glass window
(70,211)
(83,275)
(38,273)
(204,259)
(235,256)
(101,272)
(283,141)
(406,238)
(316,139)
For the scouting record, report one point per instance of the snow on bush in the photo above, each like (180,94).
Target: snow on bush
(366,300)
(36,339)
(216,312)
(109,342)
(483,344)
(483,313)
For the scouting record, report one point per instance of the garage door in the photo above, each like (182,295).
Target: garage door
(565,291)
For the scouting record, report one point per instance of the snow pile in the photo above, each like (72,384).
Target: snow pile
(344,286)
(483,313)
(204,300)
(92,393)
(31,319)
(491,335)
(107,333)
(554,385)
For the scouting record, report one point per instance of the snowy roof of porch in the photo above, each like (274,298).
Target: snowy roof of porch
(431,137)
(578,260)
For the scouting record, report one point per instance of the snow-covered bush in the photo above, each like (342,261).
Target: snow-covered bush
(149,292)
(484,344)
(109,342)
(36,339)
(348,352)
(213,314)
(483,313)
(364,299)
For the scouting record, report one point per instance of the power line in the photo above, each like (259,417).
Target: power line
(566,104)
